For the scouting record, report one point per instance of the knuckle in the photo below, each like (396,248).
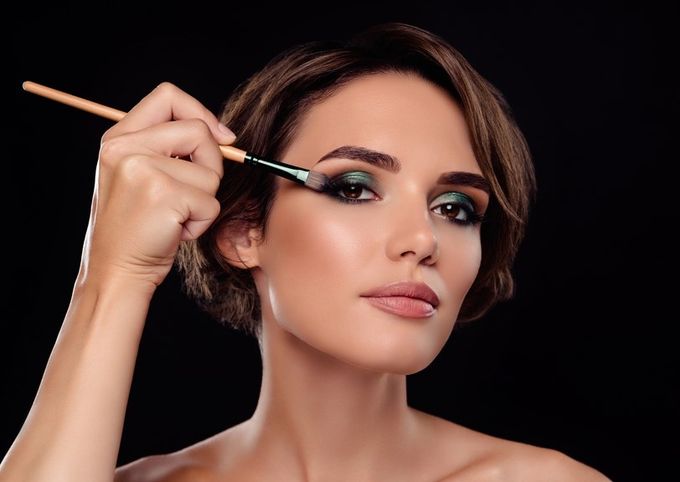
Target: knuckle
(166,89)
(215,208)
(215,181)
(134,168)
(200,127)
(110,150)
(107,135)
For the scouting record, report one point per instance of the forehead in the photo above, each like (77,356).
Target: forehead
(397,113)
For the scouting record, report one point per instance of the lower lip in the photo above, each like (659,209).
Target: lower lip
(402,306)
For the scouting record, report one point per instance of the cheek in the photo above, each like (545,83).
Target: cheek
(311,263)
(315,244)
(319,256)
(460,261)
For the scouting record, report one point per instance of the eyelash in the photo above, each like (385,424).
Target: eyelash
(334,187)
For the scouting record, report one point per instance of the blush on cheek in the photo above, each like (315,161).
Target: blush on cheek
(330,242)
(315,253)
(461,266)
(471,271)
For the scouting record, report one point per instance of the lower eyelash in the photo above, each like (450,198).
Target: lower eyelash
(351,201)
(474,218)
(333,188)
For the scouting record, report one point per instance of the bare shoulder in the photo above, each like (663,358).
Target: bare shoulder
(531,463)
(161,468)
(560,467)
(493,459)
(195,463)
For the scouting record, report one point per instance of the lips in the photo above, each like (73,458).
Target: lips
(402,306)
(410,289)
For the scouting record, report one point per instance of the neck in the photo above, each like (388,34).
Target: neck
(318,415)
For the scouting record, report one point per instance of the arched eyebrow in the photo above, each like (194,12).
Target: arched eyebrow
(392,164)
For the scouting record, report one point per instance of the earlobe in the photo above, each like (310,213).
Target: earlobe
(240,249)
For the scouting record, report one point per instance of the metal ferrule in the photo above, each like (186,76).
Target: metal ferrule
(294,173)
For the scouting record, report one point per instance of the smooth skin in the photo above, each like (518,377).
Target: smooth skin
(332,404)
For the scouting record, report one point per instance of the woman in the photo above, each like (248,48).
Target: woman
(431,182)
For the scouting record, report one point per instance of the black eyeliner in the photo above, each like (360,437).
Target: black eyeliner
(365,180)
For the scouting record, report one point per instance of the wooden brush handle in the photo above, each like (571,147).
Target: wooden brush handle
(229,152)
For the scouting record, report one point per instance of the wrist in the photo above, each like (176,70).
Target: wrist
(114,280)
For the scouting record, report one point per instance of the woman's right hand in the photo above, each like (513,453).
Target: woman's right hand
(145,199)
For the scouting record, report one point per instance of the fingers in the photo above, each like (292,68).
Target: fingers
(145,199)
(165,103)
(192,207)
(199,212)
(178,138)
(185,172)
(159,198)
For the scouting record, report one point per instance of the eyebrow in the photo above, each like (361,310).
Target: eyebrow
(392,164)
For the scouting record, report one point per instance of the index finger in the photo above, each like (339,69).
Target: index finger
(165,103)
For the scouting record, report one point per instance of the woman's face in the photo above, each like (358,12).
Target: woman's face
(321,253)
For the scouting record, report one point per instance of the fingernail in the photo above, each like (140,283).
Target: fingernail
(225,130)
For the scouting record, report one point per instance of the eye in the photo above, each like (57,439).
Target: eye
(459,209)
(349,188)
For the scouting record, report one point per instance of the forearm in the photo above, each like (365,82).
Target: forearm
(73,429)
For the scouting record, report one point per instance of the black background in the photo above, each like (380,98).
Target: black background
(582,360)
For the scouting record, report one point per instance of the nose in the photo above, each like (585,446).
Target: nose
(412,233)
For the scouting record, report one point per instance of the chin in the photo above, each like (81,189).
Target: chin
(399,355)
(397,365)
(374,341)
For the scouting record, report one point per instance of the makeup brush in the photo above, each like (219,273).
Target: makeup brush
(311,179)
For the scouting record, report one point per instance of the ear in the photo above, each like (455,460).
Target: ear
(240,247)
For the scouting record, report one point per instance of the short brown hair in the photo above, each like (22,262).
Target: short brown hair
(265,112)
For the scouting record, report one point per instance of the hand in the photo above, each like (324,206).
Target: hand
(146,199)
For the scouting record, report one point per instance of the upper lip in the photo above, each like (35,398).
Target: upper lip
(411,289)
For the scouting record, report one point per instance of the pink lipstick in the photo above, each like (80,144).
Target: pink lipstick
(404,298)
